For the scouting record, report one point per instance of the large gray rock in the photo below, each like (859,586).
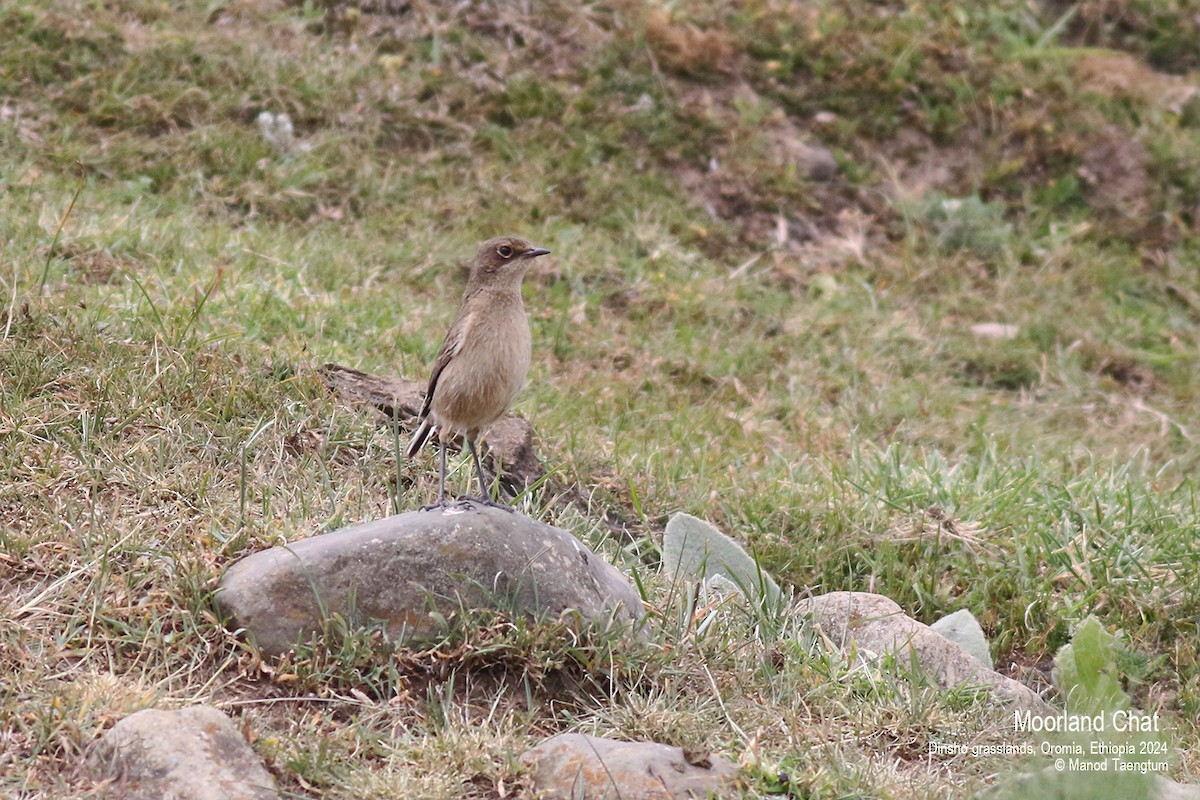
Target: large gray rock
(393,570)
(872,625)
(195,753)
(574,765)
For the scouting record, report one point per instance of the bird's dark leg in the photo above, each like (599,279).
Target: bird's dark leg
(441,501)
(442,472)
(483,490)
(484,495)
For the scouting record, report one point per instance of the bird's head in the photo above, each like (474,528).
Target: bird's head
(504,255)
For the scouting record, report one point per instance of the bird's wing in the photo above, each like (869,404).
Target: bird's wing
(450,348)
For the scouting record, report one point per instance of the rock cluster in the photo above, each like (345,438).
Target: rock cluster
(869,626)
(399,570)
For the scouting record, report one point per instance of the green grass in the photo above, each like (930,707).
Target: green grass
(169,281)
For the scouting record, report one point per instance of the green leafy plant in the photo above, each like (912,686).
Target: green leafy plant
(1086,670)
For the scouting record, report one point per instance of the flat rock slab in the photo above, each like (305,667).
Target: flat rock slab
(574,765)
(395,570)
(873,624)
(192,754)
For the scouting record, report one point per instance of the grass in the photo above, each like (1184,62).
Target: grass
(715,333)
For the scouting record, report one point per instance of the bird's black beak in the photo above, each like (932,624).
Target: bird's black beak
(537,251)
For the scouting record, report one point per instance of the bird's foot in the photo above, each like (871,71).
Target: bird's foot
(467,503)
(486,501)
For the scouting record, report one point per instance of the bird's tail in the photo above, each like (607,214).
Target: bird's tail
(422,434)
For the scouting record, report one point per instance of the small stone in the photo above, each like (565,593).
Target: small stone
(392,570)
(718,586)
(995,330)
(574,765)
(789,146)
(964,630)
(862,623)
(195,753)
(816,162)
(693,549)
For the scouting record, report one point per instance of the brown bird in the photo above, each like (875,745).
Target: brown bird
(485,357)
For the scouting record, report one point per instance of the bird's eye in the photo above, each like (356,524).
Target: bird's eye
(505,251)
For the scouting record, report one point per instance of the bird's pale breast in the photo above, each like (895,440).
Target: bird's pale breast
(481,381)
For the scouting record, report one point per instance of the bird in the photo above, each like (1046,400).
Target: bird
(485,358)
